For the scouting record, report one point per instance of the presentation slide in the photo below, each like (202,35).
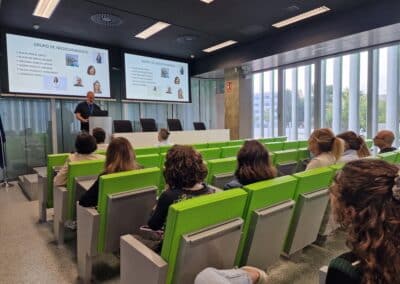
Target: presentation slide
(153,79)
(39,66)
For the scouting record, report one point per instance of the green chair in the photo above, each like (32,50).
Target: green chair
(125,203)
(266,140)
(149,161)
(210,153)
(200,232)
(303,144)
(369,142)
(65,197)
(266,217)
(200,146)
(229,151)
(274,146)
(390,157)
(45,194)
(311,197)
(221,171)
(286,161)
(280,139)
(303,158)
(164,149)
(217,144)
(236,142)
(147,151)
(290,145)
(101,152)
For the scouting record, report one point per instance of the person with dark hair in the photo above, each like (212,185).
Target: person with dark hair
(184,174)
(163,135)
(91,70)
(365,198)
(120,157)
(384,140)
(325,147)
(100,135)
(85,109)
(254,164)
(352,144)
(85,146)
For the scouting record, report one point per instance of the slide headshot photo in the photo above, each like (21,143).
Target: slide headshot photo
(78,82)
(54,83)
(164,73)
(98,57)
(96,87)
(180,94)
(72,60)
(177,81)
(91,70)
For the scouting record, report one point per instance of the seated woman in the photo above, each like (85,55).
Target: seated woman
(120,157)
(184,175)
(163,135)
(352,145)
(100,135)
(85,145)
(365,198)
(254,164)
(325,147)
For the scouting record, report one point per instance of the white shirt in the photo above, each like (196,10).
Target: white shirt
(322,160)
(348,155)
(163,143)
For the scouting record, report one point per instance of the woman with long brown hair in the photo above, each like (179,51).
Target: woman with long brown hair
(254,164)
(120,157)
(354,147)
(365,198)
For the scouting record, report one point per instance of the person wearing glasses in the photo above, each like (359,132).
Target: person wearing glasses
(384,140)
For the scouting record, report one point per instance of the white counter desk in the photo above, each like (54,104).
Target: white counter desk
(149,139)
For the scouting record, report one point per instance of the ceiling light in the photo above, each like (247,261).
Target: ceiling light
(45,8)
(207,1)
(192,56)
(152,30)
(219,46)
(301,17)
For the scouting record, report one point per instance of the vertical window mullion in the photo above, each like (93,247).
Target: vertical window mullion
(337,94)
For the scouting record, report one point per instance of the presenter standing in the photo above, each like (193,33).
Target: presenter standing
(85,109)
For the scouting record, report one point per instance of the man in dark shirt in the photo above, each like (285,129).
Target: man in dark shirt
(85,109)
(384,140)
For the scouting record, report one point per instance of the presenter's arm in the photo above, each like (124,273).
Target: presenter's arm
(80,118)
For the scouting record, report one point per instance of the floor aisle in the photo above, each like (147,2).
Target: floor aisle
(28,253)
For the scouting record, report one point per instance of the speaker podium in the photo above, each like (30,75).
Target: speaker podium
(104,122)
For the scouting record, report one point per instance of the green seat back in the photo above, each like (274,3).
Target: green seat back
(266,140)
(161,185)
(313,180)
(149,161)
(220,166)
(274,146)
(217,144)
(289,145)
(53,160)
(147,151)
(210,153)
(303,144)
(235,142)
(101,152)
(303,153)
(164,149)
(195,214)
(260,195)
(200,146)
(282,157)
(280,139)
(369,143)
(80,169)
(390,157)
(120,182)
(230,151)
(337,167)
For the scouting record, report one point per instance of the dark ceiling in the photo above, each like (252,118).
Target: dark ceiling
(241,20)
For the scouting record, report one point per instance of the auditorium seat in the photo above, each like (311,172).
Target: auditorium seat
(274,146)
(149,161)
(194,226)
(45,194)
(199,126)
(148,125)
(390,157)
(236,142)
(200,146)
(230,151)
(65,196)
(303,144)
(125,202)
(290,145)
(311,197)
(280,139)
(147,150)
(122,126)
(267,215)
(210,153)
(221,171)
(217,144)
(174,124)
(286,161)
(266,140)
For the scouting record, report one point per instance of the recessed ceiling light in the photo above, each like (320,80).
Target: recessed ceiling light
(45,8)
(219,46)
(36,27)
(152,30)
(207,1)
(301,17)
(192,56)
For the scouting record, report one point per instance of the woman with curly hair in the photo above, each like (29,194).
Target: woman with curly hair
(184,175)
(365,198)
(254,164)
